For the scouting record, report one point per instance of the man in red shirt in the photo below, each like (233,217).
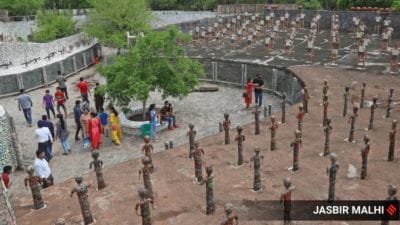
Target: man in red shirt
(60,99)
(5,176)
(84,89)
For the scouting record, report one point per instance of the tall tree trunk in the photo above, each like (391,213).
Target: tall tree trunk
(144,110)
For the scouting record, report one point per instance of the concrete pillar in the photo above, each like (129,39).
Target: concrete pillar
(84,60)
(74,63)
(20,81)
(16,144)
(92,55)
(44,74)
(62,69)
(244,74)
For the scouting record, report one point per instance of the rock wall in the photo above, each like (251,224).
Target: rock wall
(7,215)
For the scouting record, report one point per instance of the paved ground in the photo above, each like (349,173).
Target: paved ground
(203,109)
(179,201)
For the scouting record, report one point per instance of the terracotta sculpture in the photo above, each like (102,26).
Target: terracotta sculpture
(296,144)
(346,100)
(325,89)
(147,148)
(392,140)
(389,105)
(82,192)
(371,119)
(364,157)
(257,159)
(230,217)
(273,128)
(227,124)
(144,205)
(300,117)
(191,134)
(392,191)
(327,131)
(352,121)
(332,171)
(209,181)
(240,138)
(362,94)
(34,183)
(286,198)
(257,120)
(198,162)
(306,97)
(98,168)
(325,115)
(146,171)
(283,107)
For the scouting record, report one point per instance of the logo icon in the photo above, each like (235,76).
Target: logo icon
(391,210)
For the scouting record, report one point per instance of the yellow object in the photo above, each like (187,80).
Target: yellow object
(116,132)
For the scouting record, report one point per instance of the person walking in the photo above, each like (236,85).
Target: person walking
(25,103)
(259,84)
(98,98)
(249,90)
(116,132)
(103,116)
(44,139)
(46,123)
(60,99)
(94,131)
(48,103)
(61,83)
(84,89)
(85,117)
(42,169)
(153,121)
(62,134)
(77,116)
(5,176)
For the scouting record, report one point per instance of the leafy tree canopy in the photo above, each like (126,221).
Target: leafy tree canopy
(53,26)
(21,7)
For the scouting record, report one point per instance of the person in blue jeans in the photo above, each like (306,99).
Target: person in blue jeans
(258,86)
(25,103)
(104,122)
(167,114)
(153,121)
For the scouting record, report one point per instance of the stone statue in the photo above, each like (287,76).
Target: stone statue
(146,171)
(144,205)
(389,105)
(300,117)
(325,115)
(198,162)
(209,181)
(230,217)
(286,198)
(332,171)
(306,96)
(191,134)
(352,121)
(296,144)
(82,192)
(327,131)
(257,159)
(257,120)
(273,128)
(364,156)
(283,107)
(392,140)
(346,100)
(362,94)
(392,191)
(227,124)
(98,168)
(34,183)
(371,119)
(147,148)
(240,138)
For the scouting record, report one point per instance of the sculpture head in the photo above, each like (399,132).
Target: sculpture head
(196,144)
(226,116)
(143,193)
(301,107)
(239,129)
(355,110)
(297,134)
(328,122)
(257,150)
(146,160)
(333,157)
(392,190)
(284,96)
(287,182)
(209,170)
(346,88)
(273,119)
(325,82)
(364,84)
(374,100)
(391,90)
(78,179)
(146,139)
(366,138)
(228,208)
(30,170)
(95,154)
(394,124)
(191,126)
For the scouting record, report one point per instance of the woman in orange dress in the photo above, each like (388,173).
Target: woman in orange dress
(94,131)
(249,89)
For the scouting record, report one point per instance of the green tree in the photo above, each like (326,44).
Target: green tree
(110,20)
(52,25)
(156,62)
(21,7)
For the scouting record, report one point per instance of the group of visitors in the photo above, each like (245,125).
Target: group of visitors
(166,114)
(257,84)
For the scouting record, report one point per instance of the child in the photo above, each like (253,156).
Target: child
(5,176)
(104,122)
(48,103)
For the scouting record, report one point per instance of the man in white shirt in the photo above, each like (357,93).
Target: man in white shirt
(42,169)
(44,138)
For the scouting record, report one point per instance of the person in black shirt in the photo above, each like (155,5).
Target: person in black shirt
(258,85)
(168,115)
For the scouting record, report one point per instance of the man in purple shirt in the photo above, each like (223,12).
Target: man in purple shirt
(48,103)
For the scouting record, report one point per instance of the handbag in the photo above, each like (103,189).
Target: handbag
(86,143)
(244,95)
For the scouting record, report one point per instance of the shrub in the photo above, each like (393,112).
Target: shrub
(21,7)
(53,26)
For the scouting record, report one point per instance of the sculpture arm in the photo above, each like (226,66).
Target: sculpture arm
(26,183)
(136,209)
(90,165)
(140,173)
(72,192)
